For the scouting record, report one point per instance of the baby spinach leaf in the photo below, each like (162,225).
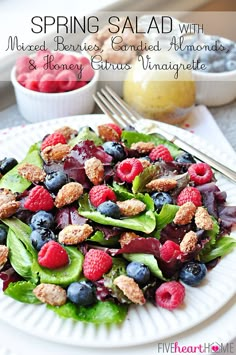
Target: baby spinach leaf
(63,276)
(22,231)
(22,291)
(20,259)
(86,134)
(148,260)
(22,255)
(15,182)
(147,175)
(130,137)
(99,313)
(164,217)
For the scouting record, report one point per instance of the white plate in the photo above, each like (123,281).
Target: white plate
(143,324)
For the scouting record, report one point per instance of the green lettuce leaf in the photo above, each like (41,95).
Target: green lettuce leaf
(24,257)
(63,276)
(222,246)
(99,313)
(130,137)
(22,254)
(118,268)
(98,237)
(86,134)
(164,217)
(144,222)
(20,259)
(15,182)
(148,260)
(123,194)
(216,247)
(22,291)
(141,180)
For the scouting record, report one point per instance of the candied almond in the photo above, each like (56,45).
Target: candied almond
(126,237)
(75,234)
(68,194)
(6,196)
(107,133)
(145,163)
(185,213)
(51,294)
(202,219)
(55,153)
(189,242)
(8,209)
(94,170)
(31,172)
(131,207)
(3,255)
(162,184)
(67,132)
(130,289)
(143,147)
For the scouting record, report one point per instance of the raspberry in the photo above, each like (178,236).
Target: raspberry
(87,73)
(53,139)
(169,251)
(22,65)
(189,194)
(116,128)
(170,295)
(39,199)
(22,78)
(47,83)
(66,80)
(96,263)
(161,152)
(128,169)
(80,84)
(83,61)
(53,256)
(101,193)
(200,173)
(31,83)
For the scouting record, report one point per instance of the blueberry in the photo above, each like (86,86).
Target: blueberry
(3,236)
(82,293)
(185,158)
(39,237)
(42,219)
(230,65)
(139,272)
(55,180)
(218,66)
(160,199)
(116,150)
(192,273)
(7,164)
(109,209)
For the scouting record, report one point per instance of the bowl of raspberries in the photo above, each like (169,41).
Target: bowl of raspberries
(54,84)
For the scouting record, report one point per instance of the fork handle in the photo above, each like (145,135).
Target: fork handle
(205,158)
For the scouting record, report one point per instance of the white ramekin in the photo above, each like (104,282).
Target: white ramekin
(38,106)
(215,89)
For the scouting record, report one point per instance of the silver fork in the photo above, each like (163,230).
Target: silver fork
(122,114)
